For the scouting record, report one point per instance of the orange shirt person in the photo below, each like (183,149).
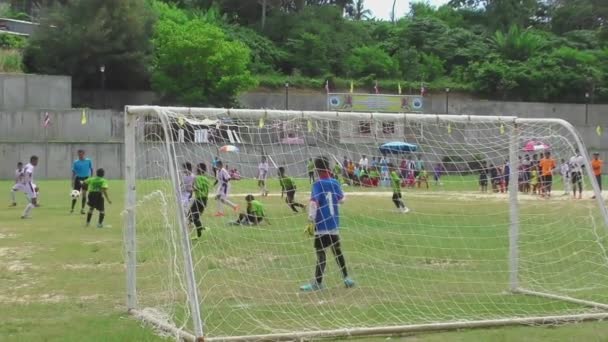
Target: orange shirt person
(596,165)
(547,164)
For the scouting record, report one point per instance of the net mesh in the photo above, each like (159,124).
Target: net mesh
(446,260)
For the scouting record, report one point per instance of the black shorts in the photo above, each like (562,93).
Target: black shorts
(576,177)
(96,201)
(199,205)
(326,241)
(291,194)
(416,173)
(483,181)
(546,180)
(79,183)
(251,218)
(396,195)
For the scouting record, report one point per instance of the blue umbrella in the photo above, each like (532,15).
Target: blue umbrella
(397,147)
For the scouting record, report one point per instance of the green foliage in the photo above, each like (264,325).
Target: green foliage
(78,38)
(517,44)
(10,61)
(195,64)
(370,60)
(10,41)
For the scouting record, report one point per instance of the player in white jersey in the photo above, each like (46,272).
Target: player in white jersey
(262,176)
(30,187)
(577,163)
(19,183)
(187,187)
(221,196)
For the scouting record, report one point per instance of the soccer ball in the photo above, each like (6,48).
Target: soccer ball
(75,194)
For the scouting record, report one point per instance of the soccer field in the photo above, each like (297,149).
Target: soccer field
(63,282)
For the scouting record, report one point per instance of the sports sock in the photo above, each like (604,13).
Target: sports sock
(320,269)
(27,210)
(293,207)
(14,200)
(341,261)
(396,202)
(299,205)
(89,215)
(84,201)
(73,204)
(101,217)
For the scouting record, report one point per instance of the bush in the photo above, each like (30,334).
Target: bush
(11,61)
(10,41)
(370,60)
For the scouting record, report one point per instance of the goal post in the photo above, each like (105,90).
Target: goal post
(467,255)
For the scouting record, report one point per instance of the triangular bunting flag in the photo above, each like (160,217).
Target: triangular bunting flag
(598,130)
(449,128)
(261,124)
(83,119)
(181,121)
(309,124)
(502,128)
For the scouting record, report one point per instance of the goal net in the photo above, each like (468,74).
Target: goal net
(483,243)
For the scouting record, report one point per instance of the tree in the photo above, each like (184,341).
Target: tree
(80,37)
(195,64)
(369,60)
(357,11)
(517,44)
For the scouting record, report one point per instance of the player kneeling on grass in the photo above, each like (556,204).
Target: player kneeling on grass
(98,189)
(396,185)
(201,193)
(324,217)
(255,213)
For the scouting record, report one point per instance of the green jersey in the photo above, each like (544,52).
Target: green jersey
(201,187)
(395,182)
(256,208)
(310,166)
(96,184)
(287,183)
(337,170)
(373,174)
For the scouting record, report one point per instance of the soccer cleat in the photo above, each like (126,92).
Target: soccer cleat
(99,225)
(218,214)
(13,204)
(310,287)
(349,282)
(24,217)
(82,212)
(72,211)
(404,210)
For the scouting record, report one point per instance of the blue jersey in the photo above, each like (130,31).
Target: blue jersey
(327,193)
(83,168)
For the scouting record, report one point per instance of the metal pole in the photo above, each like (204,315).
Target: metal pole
(586,108)
(130,205)
(447,100)
(286,95)
(102,69)
(513,210)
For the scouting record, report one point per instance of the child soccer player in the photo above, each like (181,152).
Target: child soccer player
(30,187)
(324,214)
(98,189)
(423,177)
(19,183)
(223,178)
(255,213)
(311,171)
(396,185)
(262,175)
(187,188)
(288,187)
(534,181)
(201,193)
(483,177)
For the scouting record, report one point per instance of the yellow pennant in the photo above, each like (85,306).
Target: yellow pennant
(449,128)
(83,119)
(399,87)
(181,121)
(598,130)
(352,87)
(309,124)
(502,128)
(261,124)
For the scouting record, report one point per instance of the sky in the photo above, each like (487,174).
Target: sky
(382,8)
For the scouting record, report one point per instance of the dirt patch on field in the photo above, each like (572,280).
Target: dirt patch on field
(13,259)
(28,299)
(250,262)
(7,236)
(90,266)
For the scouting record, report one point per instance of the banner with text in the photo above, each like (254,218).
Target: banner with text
(375,103)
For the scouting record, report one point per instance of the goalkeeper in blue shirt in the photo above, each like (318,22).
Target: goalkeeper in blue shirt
(82,169)
(324,214)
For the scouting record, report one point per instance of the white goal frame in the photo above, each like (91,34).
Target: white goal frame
(131,117)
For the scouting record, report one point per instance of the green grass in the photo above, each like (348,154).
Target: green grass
(446,260)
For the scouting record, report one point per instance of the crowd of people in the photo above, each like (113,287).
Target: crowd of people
(535,174)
